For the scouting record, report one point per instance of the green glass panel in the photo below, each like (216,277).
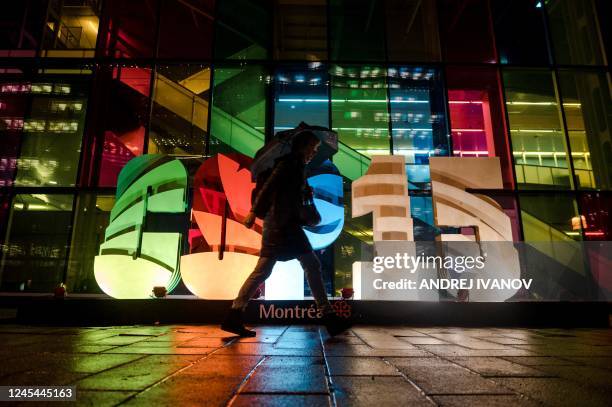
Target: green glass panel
(243,29)
(53,131)
(92,216)
(548,218)
(238,121)
(350,163)
(588,114)
(35,251)
(359,108)
(538,139)
(357,30)
(575,33)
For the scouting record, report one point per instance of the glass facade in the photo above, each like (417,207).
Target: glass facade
(88,85)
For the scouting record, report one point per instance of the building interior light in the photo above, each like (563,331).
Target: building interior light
(550,153)
(465,102)
(535,131)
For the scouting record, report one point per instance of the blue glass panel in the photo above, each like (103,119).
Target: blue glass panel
(300,94)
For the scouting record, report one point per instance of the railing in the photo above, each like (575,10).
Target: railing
(542,175)
(351,163)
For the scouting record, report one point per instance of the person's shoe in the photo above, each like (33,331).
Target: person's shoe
(233,323)
(334,324)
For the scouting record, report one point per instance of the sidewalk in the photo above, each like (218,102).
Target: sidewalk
(183,365)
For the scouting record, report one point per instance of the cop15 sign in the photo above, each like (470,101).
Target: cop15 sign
(151,222)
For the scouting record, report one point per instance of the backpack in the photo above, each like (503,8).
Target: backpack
(267,200)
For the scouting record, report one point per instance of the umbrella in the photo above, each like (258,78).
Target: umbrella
(280,145)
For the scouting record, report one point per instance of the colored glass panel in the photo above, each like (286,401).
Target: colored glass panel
(121,112)
(36,246)
(575,32)
(71,29)
(418,129)
(359,108)
(549,217)
(243,29)
(92,216)
(418,124)
(52,130)
(604,8)
(412,30)
(596,222)
(301,94)
(597,226)
(179,120)
(538,139)
(238,114)
(15,88)
(185,29)
(552,229)
(520,32)
(21,24)
(356,29)
(301,30)
(466,31)
(477,116)
(588,114)
(128,28)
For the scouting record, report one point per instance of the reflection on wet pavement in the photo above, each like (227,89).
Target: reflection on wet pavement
(301,365)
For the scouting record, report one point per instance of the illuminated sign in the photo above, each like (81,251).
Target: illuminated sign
(142,243)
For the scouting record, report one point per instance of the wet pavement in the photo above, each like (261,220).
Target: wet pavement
(183,365)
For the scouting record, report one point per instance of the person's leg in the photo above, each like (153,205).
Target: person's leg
(312,268)
(233,321)
(262,271)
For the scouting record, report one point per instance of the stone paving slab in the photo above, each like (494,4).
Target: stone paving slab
(272,379)
(102,398)
(377,391)
(282,400)
(439,376)
(484,401)
(360,366)
(555,391)
(178,365)
(491,366)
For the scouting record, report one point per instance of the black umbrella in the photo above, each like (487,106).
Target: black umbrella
(280,145)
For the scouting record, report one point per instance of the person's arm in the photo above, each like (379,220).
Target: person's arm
(267,188)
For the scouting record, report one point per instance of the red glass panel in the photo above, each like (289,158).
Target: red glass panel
(124,123)
(466,31)
(127,29)
(597,222)
(186,29)
(477,116)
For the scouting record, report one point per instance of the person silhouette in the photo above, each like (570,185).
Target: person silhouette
(283,237)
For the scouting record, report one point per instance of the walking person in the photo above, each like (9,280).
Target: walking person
(283,237)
